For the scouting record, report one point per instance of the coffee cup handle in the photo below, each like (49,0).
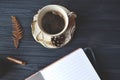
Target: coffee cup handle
(72,14)
(72,17)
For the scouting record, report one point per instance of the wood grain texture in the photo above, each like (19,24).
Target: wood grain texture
(98,27)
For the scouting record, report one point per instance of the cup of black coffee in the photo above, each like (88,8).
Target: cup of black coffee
(53,26)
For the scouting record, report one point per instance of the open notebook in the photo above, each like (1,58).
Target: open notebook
(74,66)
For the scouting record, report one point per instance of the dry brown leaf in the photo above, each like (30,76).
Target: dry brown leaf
(17,31)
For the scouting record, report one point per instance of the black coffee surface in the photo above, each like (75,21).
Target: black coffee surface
(52,23)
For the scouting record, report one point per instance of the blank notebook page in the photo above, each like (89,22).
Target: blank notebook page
(75,66)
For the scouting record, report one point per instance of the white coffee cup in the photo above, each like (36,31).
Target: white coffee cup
(59,39)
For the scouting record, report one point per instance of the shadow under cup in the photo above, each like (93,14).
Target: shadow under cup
(52,20)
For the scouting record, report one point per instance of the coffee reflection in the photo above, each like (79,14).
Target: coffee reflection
(52,23)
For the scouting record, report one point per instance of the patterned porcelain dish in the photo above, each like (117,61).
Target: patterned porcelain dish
(59,39)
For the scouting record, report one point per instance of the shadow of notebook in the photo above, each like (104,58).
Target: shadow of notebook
(74,66)
(5,67)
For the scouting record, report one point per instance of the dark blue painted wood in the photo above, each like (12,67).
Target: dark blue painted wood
(98,26)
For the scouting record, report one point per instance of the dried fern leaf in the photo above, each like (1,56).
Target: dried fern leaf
(17,31)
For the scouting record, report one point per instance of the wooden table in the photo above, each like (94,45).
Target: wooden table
(98,27)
